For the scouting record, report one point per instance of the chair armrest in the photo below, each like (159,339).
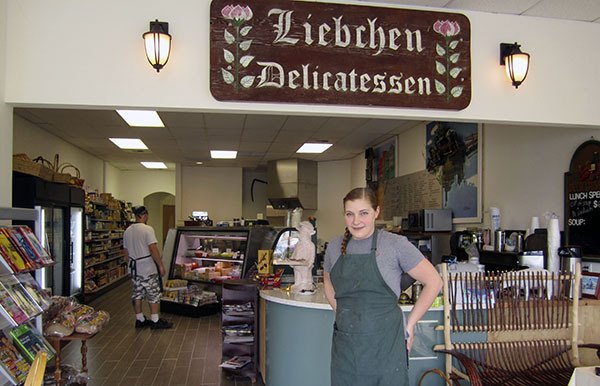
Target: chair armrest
(592,346)
(468,364)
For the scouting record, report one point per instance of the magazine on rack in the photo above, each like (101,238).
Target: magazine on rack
(41,297)
(20,295)
(12,363)
(29,341)
(11,255)
(236,362)
(37,246)
(22,244)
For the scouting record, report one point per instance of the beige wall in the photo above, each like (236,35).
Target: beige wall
(5,121)
(86,75)
(335,180)
(34,141)
(217,190)
(251,208)
(135,185)
(154,203)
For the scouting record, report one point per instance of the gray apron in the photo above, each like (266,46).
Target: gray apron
(369,346)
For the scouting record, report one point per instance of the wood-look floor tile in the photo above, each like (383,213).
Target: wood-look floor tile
(147,377)
(165,371)
(189,354)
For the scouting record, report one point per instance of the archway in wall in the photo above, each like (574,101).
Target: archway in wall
(161,207)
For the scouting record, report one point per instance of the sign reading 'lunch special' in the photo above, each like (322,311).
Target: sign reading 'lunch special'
(313,52)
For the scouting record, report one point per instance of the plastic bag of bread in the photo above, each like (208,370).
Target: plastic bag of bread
(92,323)
(61,326)
(79,311)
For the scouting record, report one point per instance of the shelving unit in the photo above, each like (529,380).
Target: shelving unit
(104,263)
(240,309)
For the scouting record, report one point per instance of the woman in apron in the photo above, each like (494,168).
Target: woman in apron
(362,276)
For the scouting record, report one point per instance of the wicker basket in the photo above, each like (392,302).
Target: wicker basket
(72,180)
(23,164)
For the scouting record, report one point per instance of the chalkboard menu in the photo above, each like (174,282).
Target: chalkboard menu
(410,192)
(582,199)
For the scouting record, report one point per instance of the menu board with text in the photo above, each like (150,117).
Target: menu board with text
(411,192)
(582,199)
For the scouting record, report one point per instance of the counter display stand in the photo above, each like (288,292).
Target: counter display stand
(207,257)
(104,263)
(239,328)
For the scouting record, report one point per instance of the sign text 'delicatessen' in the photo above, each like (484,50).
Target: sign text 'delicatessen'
(313,52)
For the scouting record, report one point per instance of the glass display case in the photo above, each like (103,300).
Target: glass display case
(206,257)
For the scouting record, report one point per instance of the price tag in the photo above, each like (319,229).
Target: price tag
(216,250)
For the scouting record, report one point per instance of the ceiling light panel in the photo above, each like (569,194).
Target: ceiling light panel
(223,154)
(141,118)
(154,165)
(313,148)
(129,143)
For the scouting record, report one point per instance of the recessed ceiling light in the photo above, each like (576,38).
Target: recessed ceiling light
(141,118)
(129,143)
(313,147)
(199,162)
(223,154)
(154,165)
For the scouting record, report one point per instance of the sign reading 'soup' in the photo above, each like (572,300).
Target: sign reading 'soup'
(313,52)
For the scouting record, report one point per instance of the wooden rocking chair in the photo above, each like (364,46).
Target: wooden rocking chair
(527,323)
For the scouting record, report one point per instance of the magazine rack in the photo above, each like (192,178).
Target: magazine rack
(21,214)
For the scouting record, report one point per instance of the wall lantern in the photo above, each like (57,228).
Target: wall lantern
(516,62)
(158,44)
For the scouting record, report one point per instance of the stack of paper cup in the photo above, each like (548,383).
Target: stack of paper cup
(494,223)
(553,245)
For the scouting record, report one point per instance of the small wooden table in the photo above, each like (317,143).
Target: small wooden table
(57,342)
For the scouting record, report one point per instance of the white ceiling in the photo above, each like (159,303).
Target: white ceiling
(188,137)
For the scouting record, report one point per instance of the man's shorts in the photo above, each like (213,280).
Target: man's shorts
(146,287)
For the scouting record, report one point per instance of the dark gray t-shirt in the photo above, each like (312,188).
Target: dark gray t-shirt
(395,255)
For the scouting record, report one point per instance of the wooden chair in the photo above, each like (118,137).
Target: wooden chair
(37,370)
(527,323)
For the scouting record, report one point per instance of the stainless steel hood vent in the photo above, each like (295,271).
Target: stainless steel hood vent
(292,184)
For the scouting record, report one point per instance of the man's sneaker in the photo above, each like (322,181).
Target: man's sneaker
(145,323)
(160,325)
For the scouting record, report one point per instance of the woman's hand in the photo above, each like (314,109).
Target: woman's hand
(411,336)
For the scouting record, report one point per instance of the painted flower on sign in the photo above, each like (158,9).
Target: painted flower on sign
(447,58)
(446,27)
(237,13)
(235,58)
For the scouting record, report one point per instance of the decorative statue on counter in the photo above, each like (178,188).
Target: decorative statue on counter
(304,258)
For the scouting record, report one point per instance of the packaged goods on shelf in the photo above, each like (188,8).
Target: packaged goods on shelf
(191,295)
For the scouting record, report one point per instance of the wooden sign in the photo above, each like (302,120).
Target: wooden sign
(582,199)
(314,52)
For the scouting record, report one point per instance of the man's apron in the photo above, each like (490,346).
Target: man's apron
(369,346)
(133,269)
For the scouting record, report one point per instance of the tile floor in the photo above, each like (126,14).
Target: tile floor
(189,354)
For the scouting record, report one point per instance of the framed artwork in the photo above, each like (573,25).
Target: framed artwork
(453,155)
(589,285)
(385,155)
